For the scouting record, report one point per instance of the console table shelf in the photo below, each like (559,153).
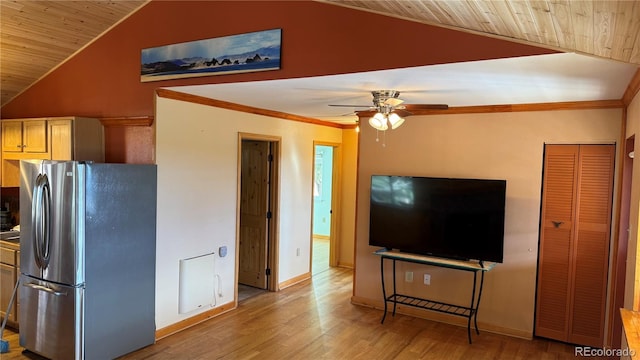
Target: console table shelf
(469,312)
(430,305)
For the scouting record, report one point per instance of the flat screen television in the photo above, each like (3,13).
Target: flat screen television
(442,217)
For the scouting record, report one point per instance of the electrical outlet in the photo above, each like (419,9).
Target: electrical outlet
(408,276)
(427,279)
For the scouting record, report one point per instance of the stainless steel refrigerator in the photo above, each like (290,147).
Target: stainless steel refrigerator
(87,258)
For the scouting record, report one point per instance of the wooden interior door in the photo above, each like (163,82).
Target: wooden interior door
(574,243)
(254,206)
(619,257)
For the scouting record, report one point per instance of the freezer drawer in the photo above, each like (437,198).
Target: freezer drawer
(50,321)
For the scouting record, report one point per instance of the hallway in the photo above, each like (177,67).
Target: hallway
(320,261)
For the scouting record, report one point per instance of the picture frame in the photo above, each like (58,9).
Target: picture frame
(249,52)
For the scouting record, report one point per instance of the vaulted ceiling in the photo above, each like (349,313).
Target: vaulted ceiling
(608,29)
(37,36)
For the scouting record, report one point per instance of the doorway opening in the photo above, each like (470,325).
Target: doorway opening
(325,211)
(257,240)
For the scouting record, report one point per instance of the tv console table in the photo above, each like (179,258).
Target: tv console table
(470,312)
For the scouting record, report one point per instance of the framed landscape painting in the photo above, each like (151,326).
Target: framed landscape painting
(257,51)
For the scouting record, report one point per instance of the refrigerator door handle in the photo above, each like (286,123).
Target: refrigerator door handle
(40,219)
(46,227)
(45,289)
(35,216)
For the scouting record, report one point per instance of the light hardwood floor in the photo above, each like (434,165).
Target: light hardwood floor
(315,320)
(320,260)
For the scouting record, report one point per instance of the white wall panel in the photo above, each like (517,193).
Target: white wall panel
(196,153)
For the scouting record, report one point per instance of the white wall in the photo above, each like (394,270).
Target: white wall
(196,153)
(495,146)
(349,175)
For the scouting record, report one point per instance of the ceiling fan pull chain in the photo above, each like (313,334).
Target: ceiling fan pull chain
(384,137)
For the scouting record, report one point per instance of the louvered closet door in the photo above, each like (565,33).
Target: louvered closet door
(574,243)
(591,246)
(554,261)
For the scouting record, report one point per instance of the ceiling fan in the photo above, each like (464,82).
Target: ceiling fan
(390,109)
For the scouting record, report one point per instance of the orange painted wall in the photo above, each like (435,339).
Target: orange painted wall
(129,144)
(103,80)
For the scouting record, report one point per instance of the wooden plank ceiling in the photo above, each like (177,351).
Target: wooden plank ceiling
(607,28)
(36,36)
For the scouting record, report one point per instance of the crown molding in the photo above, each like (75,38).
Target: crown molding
(571,105)
(196,99)
(127,121)
(632,89)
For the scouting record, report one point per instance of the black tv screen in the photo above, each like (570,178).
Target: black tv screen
(442,217)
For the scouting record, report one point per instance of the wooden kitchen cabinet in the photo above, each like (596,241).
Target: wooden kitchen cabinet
(65,138)
(76,139)
(12,136)
(8,278)
(24,136)
(21,139)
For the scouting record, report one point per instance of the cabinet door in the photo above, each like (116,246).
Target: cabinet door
(12,136)
(34,136)
(7,282)
(60,138)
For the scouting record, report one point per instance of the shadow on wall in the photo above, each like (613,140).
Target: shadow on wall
(10,201)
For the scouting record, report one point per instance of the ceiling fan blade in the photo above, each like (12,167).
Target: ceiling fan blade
(393,102)
(415,107)
(387,101)
(342,105)
(402,112)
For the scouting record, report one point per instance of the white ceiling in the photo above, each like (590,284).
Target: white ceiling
(563,77)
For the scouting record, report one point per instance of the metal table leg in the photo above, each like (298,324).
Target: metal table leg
(394,288)
(384,292)
(478,302)
(472,312)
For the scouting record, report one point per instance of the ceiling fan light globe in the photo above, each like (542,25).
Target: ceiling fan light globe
(395,120)
(379,122)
